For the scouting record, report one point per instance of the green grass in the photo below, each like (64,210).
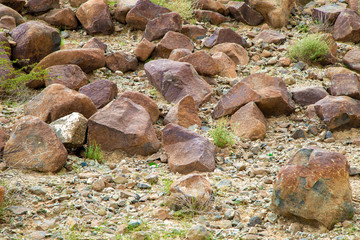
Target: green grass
(222,136)
(185,8)
(310,49)
(166,188)
(93,151)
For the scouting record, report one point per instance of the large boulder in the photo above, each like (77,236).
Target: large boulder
(69,75)
(226,65)
(144,49)
(352,60)
(224,35)
(7,11)
(347,27)
(17,5)
(34,145)
(271,36)
(175,80)
(64,18)
(212,5)
(244,13)
(187,151)
(210,16)
(158,27)
(40,6)
(203,63)
(124,125)
(121,61)
(122,8)
(173,40)
(308,95)
(235,51)
(4,136)
(347,84)
(314,185)
(57,101)
(327,14)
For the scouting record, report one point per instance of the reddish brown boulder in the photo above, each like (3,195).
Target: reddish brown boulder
(17,5)
(194,32)
(95,43)
(88,59)
(184,113)
(171,41)
(212,5)
(339,112)
(249,122)
(308,95)
(57,101)
(158,27)
(76,3)
(226,66)
(182,158)
(35,146)
(4,44)
(305,187)
(124,125)
(64,18)
(347,27)
(28,36)
(224,35)
(100,92)
(210,16)
(352,60)
(147,103)
(345,85)
(236,52)
(121,61)
(332,71)
(69,75)
(4,136)
(122,8)
(95,17)
(243,13)
(203,63)
(7,22)
(144,11)
(179,53)
(144,50)
(327,14)
(40,6)
(271,36)
(175,80)
(7,11)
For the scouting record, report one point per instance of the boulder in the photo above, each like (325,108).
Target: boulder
(7,11)
(144,11)
(327,14)
(249,122)
(71,129)
(235,51)
(173,40)
(195,32)
(95,17)
(244,13)
(41,6)
(174,80)
(271,36)
(226,65)
(158,27)
(203,63)
(69,75)
(64,18)
(100,92)
(122,8)
(28,36)
(182,158)
(144,50)
(121,61)
(210,16)
(184,113)
(332,71)
(224,35)
(179,53)
(57,101)
(4,136)
(88,59)
(352,60)
(305,187)
(17,5)
(95,43)
(7,22)
(123,125)
(76,3)
(35,146)
(347,27)
(212,5)
(308,95)
(347,84)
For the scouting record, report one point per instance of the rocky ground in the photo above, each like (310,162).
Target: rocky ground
(125,197)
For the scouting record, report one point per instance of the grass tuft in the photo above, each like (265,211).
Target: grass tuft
(93,151)
(221,135)
(185,8)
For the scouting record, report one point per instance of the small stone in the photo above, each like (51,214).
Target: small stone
(98,185)
(295,227)
(19,210)
(225,183)
(37,191)
(229,214)
(328,134)
(255,220)
(143,186)
(152,178)
(299,133)
(198,232)
(134,223)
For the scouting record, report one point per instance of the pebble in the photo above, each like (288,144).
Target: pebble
(198,232)
(98,185)
(255,220)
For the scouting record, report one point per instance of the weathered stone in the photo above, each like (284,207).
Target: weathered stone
(347,27)
(174,80)
(57,101)
(173,40)
(69,75)
(71,129)
(7,22)
(40,6)
(28,36)
(183,159)
(345,85)
(203,63)
(179,53)
(121,61)
(124,125)
(210,16)
(7,11)
(305,187)
(194,32)
(34,145)
(327,14)
(352,60)
(64,18)
(235,51)
(17,5)
(212,5)
(271,36)
(95,43)
(331,56)
(4,136)
(76,3)
(249,122)
(226,66)
(243,13)
(158,27)
(308,95)
(144,49)
(332,71)
(122,8)
(224,35)
(184,113)
(100,92)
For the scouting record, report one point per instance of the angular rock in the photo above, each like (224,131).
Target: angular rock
(271,36)
(182,159)
(71,129)
(243,13)
(121,61)
(179,53)
(100,92)
(345,85)
(173,40)
(332,71)
(347,27)
(158,27)
(28,36)
(64,18)
(7,11)
(40,6)
(249,122)
(144,49)
(95,43)
(210,16)
(144,11)
(35,146)
(203,63)
(352,60)
(69,75)
(338,112)
(331,55)
(212,5)
(124,125)
(327,14)
(122,8)
(57,101)
(224,35)
(235,51)
(194,32)
(184,113)
(174,80)
(305,187)
(87,59)
(308,95)
(17,5)
(4,136)
(198,232)
(76,3)
(147,103)
(95,17)
(226,66)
